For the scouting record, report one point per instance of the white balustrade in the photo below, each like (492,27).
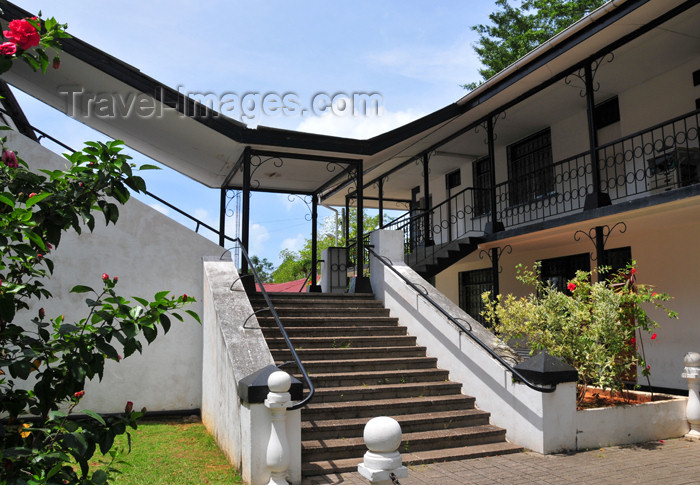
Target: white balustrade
(382,437)
(278,400)
(692,373)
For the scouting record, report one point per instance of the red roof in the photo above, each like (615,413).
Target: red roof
(288,287)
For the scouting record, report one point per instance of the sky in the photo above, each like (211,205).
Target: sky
(413,54)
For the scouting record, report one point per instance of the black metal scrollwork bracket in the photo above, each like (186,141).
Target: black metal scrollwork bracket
(499,252)
(607,230)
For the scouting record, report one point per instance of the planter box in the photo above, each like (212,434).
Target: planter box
(632,423)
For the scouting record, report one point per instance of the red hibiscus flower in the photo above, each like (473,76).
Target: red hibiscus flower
(653,337)
(22,33)
(571,286)
(8,48)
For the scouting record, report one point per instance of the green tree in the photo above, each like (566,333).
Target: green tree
(514,30)
(296,265)
(263,267)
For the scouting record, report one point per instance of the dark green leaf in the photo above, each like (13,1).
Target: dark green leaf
(81,289)
(95,416)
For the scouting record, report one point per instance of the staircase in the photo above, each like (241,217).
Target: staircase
(431,260)
(363,364)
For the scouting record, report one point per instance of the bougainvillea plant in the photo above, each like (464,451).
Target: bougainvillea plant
(594,329)
(46,437)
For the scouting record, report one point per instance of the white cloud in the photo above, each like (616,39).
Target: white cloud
(357,127)
(161,208)
(457,63)
(258,236)
(293,243)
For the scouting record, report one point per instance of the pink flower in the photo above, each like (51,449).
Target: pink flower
(116,278)
(8,48)
(56,62)
(39,256)
(632,271)
(653,294)
(10,159)
(571,286)
(79,394)
(184,297)
(33,194)
(653,337)
(105,276)
(22,33)
(633,341)
(129,406)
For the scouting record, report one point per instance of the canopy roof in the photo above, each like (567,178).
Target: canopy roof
(208,148)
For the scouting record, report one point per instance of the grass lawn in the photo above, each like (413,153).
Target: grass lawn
(172,452)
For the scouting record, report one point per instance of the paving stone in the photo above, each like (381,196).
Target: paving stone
(671,462)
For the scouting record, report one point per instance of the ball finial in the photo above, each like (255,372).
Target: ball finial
(279,381)
(382,435)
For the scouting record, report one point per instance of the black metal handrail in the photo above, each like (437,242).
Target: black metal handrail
(199,223)
(424,293)
(272,310)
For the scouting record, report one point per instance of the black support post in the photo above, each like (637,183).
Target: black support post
(598,198)
(600,248)
(314,288)
(427,229)
(361,283)
(245,219)
(381,203)
(346,221)
(494,225)
(222,217)
(494,272)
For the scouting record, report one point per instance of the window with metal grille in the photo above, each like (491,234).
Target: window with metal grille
(482,182)
(530,173)
(606,113)
(471,285)
(558,271)
(453,180)
(617,259)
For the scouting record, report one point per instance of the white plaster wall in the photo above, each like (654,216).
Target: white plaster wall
(514,406)
(638,423)
(661,98)
(149,252)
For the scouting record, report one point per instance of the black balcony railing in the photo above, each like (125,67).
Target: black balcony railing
(660,158)
(455,218)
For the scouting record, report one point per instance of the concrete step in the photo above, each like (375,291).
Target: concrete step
(334,331)
(410,423)
(335,311)
(334,449)
(383,407)
(385,391)
(342,342)
(266,320)
(378,377)
(324,467)
(326,366)
(340,351)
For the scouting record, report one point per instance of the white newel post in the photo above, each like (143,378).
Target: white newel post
(278,400)
(382,436)
(692,373)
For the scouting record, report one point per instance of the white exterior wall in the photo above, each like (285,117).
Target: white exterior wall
(661,98)
(149,252)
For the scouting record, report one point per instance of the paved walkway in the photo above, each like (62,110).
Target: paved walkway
(671,462)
